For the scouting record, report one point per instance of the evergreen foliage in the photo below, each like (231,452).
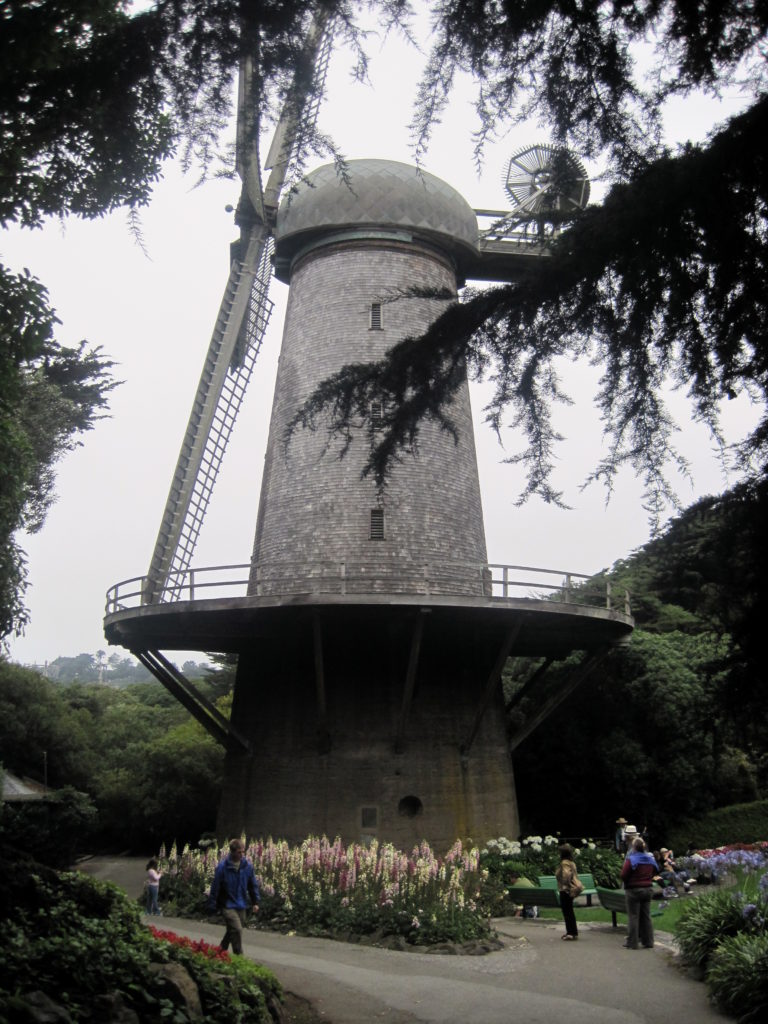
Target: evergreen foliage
(49,396)
(661,284)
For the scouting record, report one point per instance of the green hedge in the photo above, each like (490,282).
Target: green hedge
(739,823)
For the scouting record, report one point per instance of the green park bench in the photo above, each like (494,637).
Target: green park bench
(550,882)
(534,896)
(613,900)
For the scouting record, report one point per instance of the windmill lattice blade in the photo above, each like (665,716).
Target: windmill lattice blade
(235,343)
(237,337)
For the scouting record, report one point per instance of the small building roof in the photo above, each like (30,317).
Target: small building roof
(16,789)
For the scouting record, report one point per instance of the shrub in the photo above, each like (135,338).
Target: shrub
(707,921)
(745,823)
(56,828)
(738,976)
(76,939)
(534,856)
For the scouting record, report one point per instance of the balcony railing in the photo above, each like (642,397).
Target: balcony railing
(444,579)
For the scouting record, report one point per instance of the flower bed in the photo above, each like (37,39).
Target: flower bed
(713,865)
(724,933)
(199,946)
(323,887)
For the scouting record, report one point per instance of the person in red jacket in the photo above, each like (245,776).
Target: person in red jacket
(637,874)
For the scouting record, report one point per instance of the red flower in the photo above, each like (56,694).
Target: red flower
(195,945)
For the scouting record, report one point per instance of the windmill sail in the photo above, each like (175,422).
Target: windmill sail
(240,326)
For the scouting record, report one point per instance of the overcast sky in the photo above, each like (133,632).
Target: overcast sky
(153,314)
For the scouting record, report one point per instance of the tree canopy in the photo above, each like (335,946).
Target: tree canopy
(50,394)
(660,285)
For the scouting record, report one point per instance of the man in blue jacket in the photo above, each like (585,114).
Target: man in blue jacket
(233,891)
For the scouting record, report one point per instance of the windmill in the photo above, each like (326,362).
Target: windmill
(370,629)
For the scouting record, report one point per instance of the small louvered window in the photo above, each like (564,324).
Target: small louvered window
(376,316)
(377,415)
(377,524)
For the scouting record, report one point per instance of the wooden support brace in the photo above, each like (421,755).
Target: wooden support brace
(590,662)
(492,681)
(528,685)
(198,706)
(324,736)
(410,679)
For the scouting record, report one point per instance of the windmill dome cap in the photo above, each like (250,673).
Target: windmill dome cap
(378,194)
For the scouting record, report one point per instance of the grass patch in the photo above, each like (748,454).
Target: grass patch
(664,923)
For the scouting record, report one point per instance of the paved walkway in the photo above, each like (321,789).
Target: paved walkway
(535,978)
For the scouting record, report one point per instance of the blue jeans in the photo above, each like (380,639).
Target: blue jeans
(639,916)
(153,906)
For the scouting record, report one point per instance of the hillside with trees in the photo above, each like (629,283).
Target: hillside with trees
(676,724)
(151,773)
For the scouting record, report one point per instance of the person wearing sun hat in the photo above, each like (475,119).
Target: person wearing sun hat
(630,835)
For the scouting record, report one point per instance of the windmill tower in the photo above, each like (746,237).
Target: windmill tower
(371,632)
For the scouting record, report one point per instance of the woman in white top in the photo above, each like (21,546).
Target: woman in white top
(153,886)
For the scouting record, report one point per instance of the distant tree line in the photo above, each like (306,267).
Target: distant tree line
(115,670)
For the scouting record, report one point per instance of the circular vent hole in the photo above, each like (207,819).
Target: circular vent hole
(410,806)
